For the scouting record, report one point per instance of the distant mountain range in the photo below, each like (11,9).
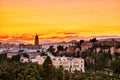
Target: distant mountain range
(109,39)
(72,41)
(106,39)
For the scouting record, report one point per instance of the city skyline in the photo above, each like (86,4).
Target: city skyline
(58,20)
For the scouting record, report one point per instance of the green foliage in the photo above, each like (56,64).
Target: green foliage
(59,73)
(3,56)
(25,55)
(96,61)
(47,62)
(47,68)
(51,49)
(93,40)
(16,58)
(116,66)
(14,70)
(60,48)
(118,45)
(20,76)
(100,61)
(116,56)
(67,75)
(77,75)
(81,41)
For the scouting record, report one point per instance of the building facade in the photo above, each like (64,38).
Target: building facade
(68,63)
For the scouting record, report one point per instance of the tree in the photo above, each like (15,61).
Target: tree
(93,40)
(59,73)
(116,66)
(3,57)
(100,61)
(116,56)
(118,45)
(60,48)
(51,49)
(81,41)
(28,77)
(25,55)
(79,77)
(16,58)
(67,75)
(20,77)
(47,68)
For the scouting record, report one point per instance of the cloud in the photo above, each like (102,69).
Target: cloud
(44,38)
(4,36)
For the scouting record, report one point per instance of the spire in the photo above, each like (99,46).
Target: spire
(36,40)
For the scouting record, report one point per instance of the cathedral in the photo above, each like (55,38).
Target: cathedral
(36,40)
(36,44)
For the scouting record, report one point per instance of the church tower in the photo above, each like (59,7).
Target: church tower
(36,40)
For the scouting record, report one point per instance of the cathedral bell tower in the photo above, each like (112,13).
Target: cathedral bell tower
(36,40)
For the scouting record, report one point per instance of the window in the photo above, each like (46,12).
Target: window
(81,65)
(75,66)
(60,62)
(81,61)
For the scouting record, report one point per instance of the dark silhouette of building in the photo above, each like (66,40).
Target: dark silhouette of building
(30,46)
(112,43)
(36,40)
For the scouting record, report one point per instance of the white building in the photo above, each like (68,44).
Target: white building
(39,59)
(2,50)
(68,63)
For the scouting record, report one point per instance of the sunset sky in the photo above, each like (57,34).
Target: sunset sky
(58,20)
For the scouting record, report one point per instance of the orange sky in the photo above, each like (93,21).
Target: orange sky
(57,20)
